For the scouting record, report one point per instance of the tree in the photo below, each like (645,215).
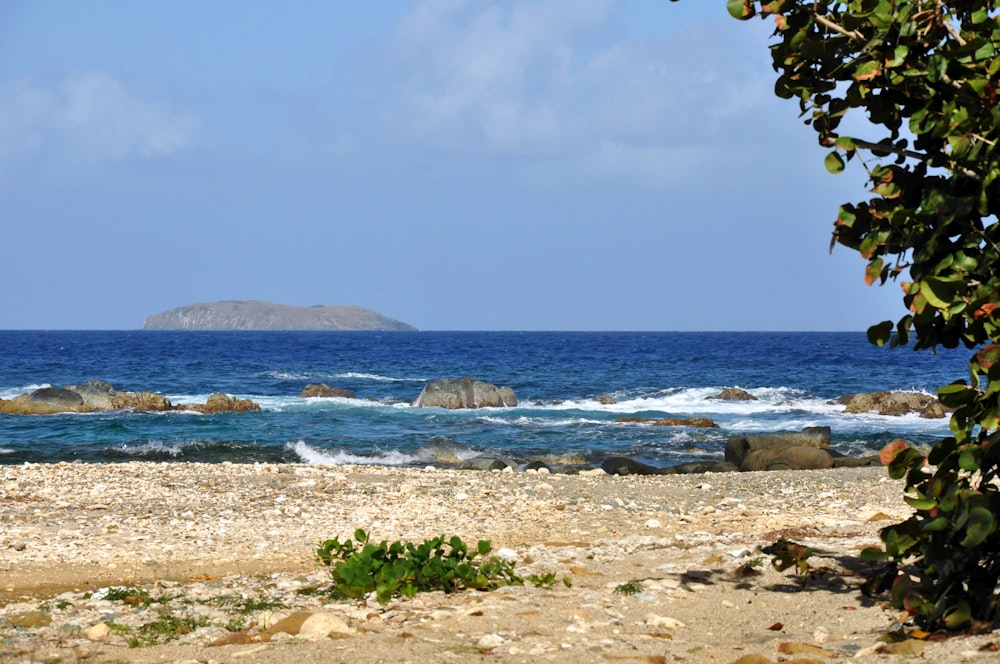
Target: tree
(925,77)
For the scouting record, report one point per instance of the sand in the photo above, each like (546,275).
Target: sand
(202,538)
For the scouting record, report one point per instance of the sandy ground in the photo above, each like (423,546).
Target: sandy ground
(201,534)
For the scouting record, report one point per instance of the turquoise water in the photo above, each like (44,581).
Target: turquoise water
(556,376)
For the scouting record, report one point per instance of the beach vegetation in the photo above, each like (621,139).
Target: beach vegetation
(788,554)
(631,587)
(359,567)
(908,91)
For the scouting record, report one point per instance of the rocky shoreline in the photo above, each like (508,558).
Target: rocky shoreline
(216,562)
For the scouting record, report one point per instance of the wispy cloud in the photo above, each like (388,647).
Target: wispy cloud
(88,118)
(555,79)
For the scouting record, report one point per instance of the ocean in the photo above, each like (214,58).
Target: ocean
(555,375)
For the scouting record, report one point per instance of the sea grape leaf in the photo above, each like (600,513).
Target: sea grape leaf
(979,526)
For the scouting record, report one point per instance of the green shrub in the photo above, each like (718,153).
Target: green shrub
(405,569)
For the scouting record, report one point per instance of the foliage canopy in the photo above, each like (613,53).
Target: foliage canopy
(908,89)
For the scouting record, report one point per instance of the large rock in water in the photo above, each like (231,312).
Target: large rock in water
(44,401)
(453,393)
(97,395)
(893,403)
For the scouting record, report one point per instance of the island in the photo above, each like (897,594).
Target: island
(257,315)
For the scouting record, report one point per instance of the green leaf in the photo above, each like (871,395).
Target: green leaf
(940,292)
(880,334)
(740,9)
(957,616)
(834,162)
(979,526)
(956,395)
(922,504)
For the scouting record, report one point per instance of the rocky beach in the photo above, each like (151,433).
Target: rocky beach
(152,562)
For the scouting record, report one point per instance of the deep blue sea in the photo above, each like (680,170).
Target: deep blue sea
(556,376)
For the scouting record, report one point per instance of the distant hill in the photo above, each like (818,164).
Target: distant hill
(255,315)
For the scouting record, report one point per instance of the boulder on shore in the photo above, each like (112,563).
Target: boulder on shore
(740,448)
(454,393)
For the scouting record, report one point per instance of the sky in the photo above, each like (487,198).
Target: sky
(454,164)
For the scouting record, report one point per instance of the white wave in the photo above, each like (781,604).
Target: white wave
(288,375)
(11,392)
(377,377)
(318,457)
(6,450)
(525,421)
(154,447)
(696,401)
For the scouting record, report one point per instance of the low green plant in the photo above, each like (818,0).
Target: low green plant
(166,627)
(629,588)
(786,553)
(359,567)
(750,567)
(546,580)
(247,605)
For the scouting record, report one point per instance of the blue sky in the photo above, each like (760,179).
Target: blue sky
(455,164)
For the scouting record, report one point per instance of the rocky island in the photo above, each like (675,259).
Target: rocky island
(256,315)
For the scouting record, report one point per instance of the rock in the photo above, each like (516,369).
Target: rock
(96,394)
(485,462)
(695,467)
(45,401)
(489,642)
(96,632)
(290,625)
(733,394)
(444,450)
(223,403)
(789,458)
(617,465)
(738,447)
(324,390)
(324,625)
(698,422)
(851,462)
(893,403)
(453,393)
(534,464)
(663,622)
(142,401)
(606,400)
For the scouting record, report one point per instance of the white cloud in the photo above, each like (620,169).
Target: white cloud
(556,80)
(90,117)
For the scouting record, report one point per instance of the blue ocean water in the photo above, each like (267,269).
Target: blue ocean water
(556,376)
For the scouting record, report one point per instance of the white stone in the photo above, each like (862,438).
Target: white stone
(322,625)
(663,622)
(96,632)
(653,523)
(489,642)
